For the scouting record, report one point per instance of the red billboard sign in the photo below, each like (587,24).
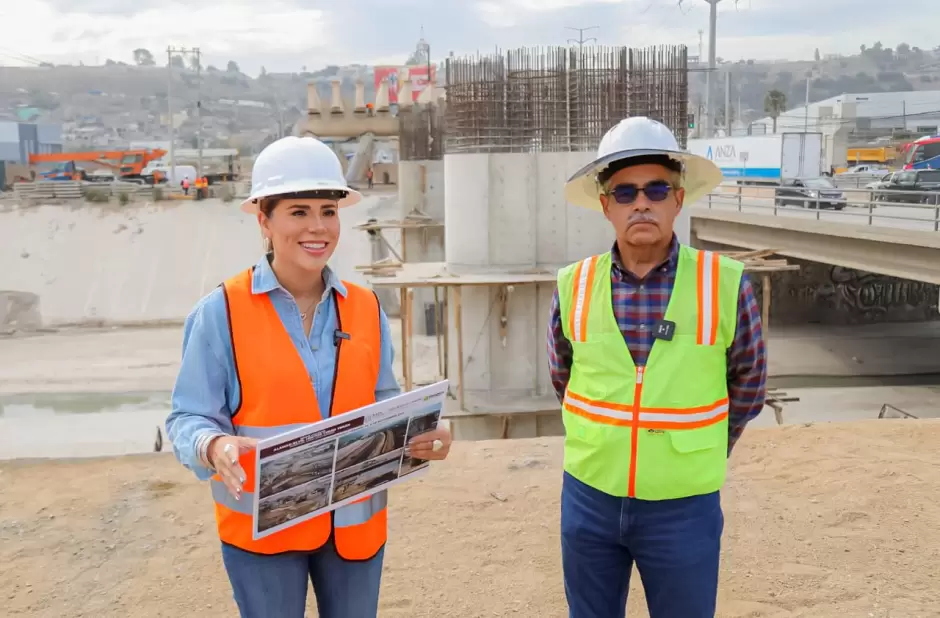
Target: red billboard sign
(397,75)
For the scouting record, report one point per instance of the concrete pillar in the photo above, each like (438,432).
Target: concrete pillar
(336,98)
(507,212)
(405,97)
(314,106)
(360,104)
(421,192)
(381,97)
(428,94)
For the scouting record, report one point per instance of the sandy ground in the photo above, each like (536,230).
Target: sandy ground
(822,520)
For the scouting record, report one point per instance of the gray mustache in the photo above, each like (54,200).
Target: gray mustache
(641,217)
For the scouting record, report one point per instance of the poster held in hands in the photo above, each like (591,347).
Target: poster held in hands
(307,472)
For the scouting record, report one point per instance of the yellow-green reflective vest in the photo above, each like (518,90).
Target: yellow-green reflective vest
(661,431)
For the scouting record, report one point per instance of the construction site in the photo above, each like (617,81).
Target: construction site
(829,504)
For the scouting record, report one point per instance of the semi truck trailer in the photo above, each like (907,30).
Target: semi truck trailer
(764,158)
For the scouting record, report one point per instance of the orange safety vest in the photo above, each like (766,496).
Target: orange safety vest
(276,396)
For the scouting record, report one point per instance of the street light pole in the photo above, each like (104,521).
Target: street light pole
(581,40)
(169,104)
(712,66)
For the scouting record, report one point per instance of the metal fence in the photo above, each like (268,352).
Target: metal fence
(561,99)
(910,210)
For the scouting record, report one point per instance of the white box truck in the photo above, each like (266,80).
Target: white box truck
(764,158)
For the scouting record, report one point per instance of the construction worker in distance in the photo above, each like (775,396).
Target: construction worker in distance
(308,346)
(656,353)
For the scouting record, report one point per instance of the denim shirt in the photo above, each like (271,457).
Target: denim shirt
(207,390)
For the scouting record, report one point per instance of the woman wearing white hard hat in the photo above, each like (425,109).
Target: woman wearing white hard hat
(656,355)
(282,344)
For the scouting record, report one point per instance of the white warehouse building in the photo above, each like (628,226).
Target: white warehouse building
(858,119)
(875,112)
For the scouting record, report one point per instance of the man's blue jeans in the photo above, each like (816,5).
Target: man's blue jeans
(674,543)
(276,586)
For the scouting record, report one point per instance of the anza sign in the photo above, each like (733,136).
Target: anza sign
(721,153)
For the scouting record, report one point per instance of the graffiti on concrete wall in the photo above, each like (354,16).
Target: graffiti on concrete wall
(876,295)
(820,293)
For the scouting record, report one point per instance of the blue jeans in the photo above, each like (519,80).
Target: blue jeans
(674,543)
(275,586)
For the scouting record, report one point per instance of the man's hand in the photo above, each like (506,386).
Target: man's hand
(223,453)
(422,446)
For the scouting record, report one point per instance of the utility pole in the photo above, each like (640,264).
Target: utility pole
(728,103)
(581,40)
(196,54)
(709,81)
(806,106)
(169,106)
(198,111)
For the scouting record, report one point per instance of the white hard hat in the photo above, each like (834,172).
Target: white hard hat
(640,137)
(297,164)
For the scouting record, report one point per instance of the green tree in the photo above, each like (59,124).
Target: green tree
(775,103)
(143,57)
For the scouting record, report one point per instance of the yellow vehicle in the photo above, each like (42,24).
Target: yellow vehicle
(879,154)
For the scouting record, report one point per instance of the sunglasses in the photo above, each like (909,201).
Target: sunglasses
(655,191)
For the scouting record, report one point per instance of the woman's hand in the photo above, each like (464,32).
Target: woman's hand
(422,446)
(223,453)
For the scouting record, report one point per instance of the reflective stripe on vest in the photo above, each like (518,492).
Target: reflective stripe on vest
(659,431)
(277,396)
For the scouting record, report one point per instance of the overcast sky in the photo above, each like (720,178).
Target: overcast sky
(285,35)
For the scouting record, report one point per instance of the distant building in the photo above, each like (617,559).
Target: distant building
(18,140)
(865,116)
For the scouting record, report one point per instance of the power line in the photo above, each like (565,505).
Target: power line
(15,55)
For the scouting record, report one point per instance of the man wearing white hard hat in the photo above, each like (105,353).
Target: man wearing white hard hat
(280,345)
(657,356)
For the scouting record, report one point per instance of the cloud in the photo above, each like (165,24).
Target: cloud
(284,35)
(218,27)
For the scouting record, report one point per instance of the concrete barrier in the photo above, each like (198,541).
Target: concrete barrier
(98,263)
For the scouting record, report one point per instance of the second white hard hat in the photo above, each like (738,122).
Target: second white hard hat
(297,165)
(637,137)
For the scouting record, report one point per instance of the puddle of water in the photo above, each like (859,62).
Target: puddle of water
(31,405)
(63,425)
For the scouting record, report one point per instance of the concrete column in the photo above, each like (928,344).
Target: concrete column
(314,106)
(405,94)
(421,191)
(506,212)
(381,97)
(336,98)
(428,94)
(360,104)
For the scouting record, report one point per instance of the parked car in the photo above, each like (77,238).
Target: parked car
(913,187)
(882,183)
(819,192)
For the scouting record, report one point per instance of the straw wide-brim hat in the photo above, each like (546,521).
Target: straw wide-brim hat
(699,176)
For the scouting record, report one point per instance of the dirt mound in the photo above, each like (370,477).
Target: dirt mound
(825,520)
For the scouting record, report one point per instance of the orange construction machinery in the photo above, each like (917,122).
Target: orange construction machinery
(128,164)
